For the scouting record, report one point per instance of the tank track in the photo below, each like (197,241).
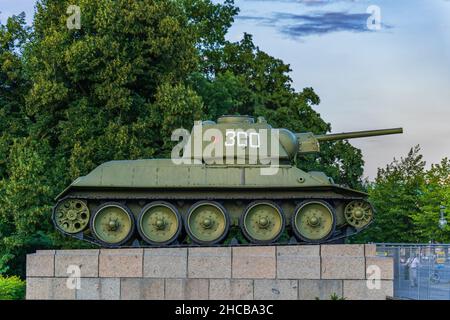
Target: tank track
(140,244)
(136,241)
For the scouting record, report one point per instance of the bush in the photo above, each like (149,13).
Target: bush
(12,288)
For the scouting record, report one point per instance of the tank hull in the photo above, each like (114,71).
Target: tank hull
(135,185)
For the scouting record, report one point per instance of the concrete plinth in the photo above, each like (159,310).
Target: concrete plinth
(240,273)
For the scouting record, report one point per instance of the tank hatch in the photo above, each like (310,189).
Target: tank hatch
(235,119)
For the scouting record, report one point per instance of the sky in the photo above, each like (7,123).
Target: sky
(391,72)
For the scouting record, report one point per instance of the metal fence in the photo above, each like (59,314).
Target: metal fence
(421,271)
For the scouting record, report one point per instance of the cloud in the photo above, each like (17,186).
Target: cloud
(321,23)
(314,23)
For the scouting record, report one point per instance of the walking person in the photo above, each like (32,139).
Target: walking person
(413,264)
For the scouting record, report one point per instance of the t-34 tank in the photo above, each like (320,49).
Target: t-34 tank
(236,173)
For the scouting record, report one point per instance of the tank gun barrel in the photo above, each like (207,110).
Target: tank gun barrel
(358,134)
(309,142)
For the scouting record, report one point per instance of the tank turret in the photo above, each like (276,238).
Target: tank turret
(239,140)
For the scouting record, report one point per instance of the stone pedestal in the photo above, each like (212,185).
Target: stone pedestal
(240,273)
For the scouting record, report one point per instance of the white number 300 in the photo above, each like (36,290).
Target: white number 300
(243,138)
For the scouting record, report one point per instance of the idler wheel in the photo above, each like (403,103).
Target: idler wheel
(314,221)
(207,222)
(358,213)
(159,223)
(112,224)
(262,222)
(71,216)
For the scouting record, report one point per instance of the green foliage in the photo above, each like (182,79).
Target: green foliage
(407,199)
(12,288)
(26,200)
(435,192)
(335,296)
(116,89)
(175,107)
(394,196)
(13,85)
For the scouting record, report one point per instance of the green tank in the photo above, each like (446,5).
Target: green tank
(237,174)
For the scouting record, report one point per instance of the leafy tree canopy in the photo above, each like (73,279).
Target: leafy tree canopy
(407,200)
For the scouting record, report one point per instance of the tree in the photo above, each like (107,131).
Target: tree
(395,195)
(435,192)
(13,85)
(26,201)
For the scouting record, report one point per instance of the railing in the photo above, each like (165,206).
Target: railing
(421,271)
